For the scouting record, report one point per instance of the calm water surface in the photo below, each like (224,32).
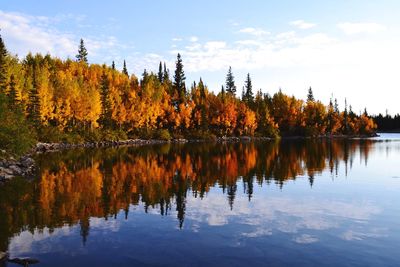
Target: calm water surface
(291,203)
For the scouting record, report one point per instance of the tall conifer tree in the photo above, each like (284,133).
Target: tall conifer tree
(82,52)
(230,82)
(310,95)
(160,73)
(249,97)
(179,80)
(105,116)
(124,69)
(3,66)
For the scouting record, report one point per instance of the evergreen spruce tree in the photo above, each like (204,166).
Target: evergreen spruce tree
(179,80)
(336,107)
(82,52)
(3,66)
(124,69)
(165,73)
(310,95)
(34,102)
(345,116)
(145,78)
(113,65)
(249,97)
(12,95)
(203,109)
(230,82)
(105,116)
(160,73)
(330,116)
(202,91)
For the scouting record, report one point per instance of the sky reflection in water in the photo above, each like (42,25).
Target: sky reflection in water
(300,203)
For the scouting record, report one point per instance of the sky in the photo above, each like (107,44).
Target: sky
(342,48)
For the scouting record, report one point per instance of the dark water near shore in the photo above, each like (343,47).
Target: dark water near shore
(288,203)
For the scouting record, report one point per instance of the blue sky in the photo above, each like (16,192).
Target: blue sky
(345,48)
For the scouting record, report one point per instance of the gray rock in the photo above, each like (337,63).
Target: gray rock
(3,256)
(27,162)
(4,171)
(15,169)
(6,177)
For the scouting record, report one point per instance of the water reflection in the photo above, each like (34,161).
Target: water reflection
(77,185)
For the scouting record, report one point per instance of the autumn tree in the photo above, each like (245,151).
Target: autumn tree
(230,82)
(67,96)
(266,125)
(82,52)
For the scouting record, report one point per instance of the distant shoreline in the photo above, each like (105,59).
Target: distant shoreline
(391,131)
(50,147)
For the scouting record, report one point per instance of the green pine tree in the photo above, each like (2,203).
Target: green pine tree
(179,80)
(160,73)
(12,94)
(222,92)
(82,52)
(249,97)
(230,82)
(203,108)
(310,95)
(3,66)
(105,116)
(124,69)
(34,102)
(165,73)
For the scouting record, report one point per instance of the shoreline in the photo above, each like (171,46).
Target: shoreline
(42,147)
(25,166)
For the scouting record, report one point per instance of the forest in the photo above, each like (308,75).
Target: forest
(47,99)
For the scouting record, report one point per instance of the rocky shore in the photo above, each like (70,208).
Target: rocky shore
(49,147)
(11,167)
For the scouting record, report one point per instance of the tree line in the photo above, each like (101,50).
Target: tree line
(49,99)
(387,123)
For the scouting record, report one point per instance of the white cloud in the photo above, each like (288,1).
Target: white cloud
(293,61)
(249,42)
(254,31)
(356,28)
(281,213)
(301,24)
(37,34)
(176,39)
(193,39)
(25,241)
(305,239)
(352,235)
(33,34)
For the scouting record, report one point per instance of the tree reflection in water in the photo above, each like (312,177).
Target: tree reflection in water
(73,186)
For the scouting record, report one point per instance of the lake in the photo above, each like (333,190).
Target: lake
(287,203)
